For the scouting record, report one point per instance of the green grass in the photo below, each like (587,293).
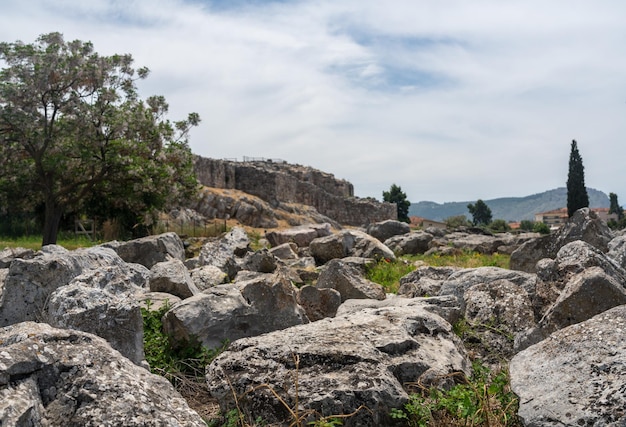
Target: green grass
(68,240)
(388,273)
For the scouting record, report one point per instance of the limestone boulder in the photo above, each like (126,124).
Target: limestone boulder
(285,251)
(413,243)
(208,276)
(617,250)
(576,376)
(60,377)
(497,311)
(150,250)
(584,225)
(226,252)
(30,282)
(348,281)
(154,301)
(355,364)
(9,254)
(318,303)
(425,281)
(228,312)
(102,302)
(262,261)
(587,294)
(172,277)
(461,281)
(384,230)
(301,236)
(363,245)
(324,249)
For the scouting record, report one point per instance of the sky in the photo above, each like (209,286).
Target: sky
(452,100)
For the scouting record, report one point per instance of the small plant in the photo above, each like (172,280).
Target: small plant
(176,363)
(388,273)
(464,259)
(485,399)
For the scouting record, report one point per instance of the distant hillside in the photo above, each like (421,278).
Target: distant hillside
(508,208)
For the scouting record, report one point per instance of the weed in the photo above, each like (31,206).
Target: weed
(466,259)
(485,399)
(176,363)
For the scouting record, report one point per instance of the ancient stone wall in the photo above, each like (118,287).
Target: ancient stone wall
(279,182)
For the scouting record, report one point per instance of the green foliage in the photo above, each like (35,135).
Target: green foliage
(481,213)
(499,226)
(541,227)
(388,273)
(173,362)
(577,196)
(464,259)
(397,196)
(527,225)
(483,399)
(457,221)
(76,137)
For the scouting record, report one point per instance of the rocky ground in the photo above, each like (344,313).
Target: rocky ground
(309,335)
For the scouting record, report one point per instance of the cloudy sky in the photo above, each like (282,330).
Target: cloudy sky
(453,100)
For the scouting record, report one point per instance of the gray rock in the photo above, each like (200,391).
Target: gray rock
(150,250)
(208,276)
(285,251)
(348,282)
(365,246)
(233,311)
(261,261)
(576,376)
(9,254)
(587,294)
(425,281)
(617,250)
(172,277)
(584,225)
(497,311)
(461,281)
(335,246)
(413,243)
(29,283)
(226,252)
(319,303)
(386,229)
(354,364)
(102,302)
(154,301)
(301,236)
(54,377)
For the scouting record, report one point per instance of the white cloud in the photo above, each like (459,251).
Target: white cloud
(452,100)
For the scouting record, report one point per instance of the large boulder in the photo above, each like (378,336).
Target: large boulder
(425,281)
(54,377)
(575,377)
(386,229)
(355,364)
(30,282)
(150,250)
(413,243)
(301,236)
(319,303)
(349,243)
(172,277)
(9,254)
(617,250)
(102,302)
(584,225)
(588,293)
(226,252)
(348,281)
(208,276)
(232,311)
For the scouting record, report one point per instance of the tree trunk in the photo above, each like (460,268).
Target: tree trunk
(51,223)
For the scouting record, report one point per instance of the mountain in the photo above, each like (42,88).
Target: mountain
(508,208)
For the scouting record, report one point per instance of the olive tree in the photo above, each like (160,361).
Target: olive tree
(73,127)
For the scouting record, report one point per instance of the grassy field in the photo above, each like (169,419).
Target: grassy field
(69,242)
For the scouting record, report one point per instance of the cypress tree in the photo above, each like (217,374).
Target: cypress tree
(576,191)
